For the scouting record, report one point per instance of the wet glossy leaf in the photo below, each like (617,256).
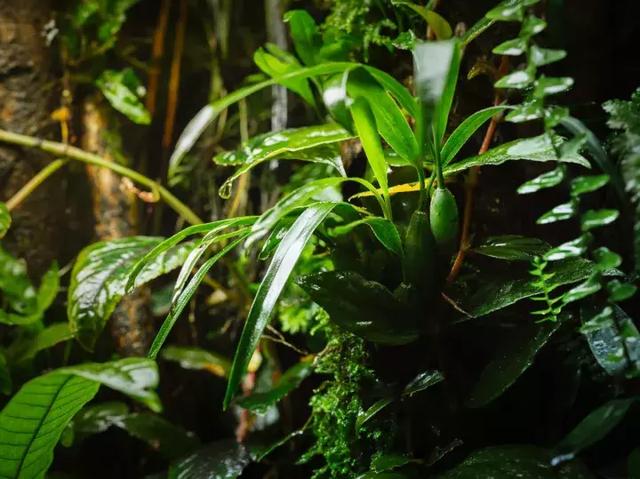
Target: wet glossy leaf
(537,148)
(161,435)
(198,359)
(316,144)
(606,258)
(17,291)
(507,11)
(619,291)
(391,123)
(512,247)
(466,130)
(517,80)
(274,281)
(363,307)
(515,462)
(182,298)
(306,37)
(546,180)
(201,121)
(543,56)
(588,287)
(135,377)
(587,184)
(569,249)
(514,47)
(614,340)
(5,219)
(561,212)
(476,30)
(551,86)
(219,460)
(33,420)
(532,25)
(122,90)
(596,218)
(261,401)
(495,292)
(422,381)
(388,462)
(97,418)
(99,277)
(528,111)
(365,415)
(514,357)
(593,428)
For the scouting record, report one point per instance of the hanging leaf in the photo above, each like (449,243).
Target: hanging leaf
(512,247)
(33,420)
(219,460)
(422,381)
(276,62)
(501,290)
(592,429)
(537,148)
(561,212)
(596,218)
(546,180)
(511,361)
(316,144)
(438,24)
(515,462)
(198,359)
(5,219)
(306,37)
(123,90)
(99,277)
(466,130)
(570,249)
(22,350)
(363,307)
(135,377)
(384,230)
(261,401)
(274,281)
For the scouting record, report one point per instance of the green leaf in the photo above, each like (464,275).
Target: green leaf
(422,381)
(497,291)
(476,30)
(593,428)
(466,130)
(514,357)
(512,247)
(532,25)
(306,37)
(316,144)
(606,258)
(122,90)
(546,180)
(155,254)
(395,89)
(290,380)
(198,359)
(5,219)
(588,184)
(276,62)
(363,307)
(597,218)
(5,377)
(365,415)
(97,418)
(365,125)
(530,110)
(201,121)
(219,460)
(100,275)
(45,339)
(185,294)
(537,148)
(619,291)
(544,86)
(18,293)
(515,47)
(389,119)
(33,420)
(438,24)
(515,462)
(135,377)
(569,249)
(274,281)
(561,212)
(543,56)
(384,230)
(517,80)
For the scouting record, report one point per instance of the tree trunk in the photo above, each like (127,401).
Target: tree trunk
(114,212)
(27,95)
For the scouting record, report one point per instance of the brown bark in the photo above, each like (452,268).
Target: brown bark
(27,96)
(114,212)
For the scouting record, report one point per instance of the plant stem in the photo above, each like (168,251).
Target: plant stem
(73,153)
(34,182)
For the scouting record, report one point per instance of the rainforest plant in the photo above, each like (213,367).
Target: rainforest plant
(373,334)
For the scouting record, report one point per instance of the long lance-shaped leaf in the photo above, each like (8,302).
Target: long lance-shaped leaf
(365,124)
(199,123)
(185,296)
(178,237)
(275,279)
(465,130)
